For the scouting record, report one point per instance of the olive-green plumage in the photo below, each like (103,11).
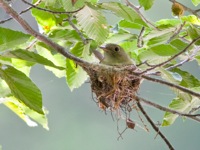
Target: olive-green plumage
(115,55)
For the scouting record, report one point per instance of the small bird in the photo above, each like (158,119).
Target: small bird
(115,55)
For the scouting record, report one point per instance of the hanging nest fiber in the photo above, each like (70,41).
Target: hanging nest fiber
(115,87)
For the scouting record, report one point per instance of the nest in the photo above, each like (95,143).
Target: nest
(115,88)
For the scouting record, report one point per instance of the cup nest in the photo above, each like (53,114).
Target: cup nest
(115,88)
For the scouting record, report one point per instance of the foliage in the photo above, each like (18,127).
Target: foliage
(83,29)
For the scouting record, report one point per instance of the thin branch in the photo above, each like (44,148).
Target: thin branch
(173,57)
(140,39)
(194,12)
(140,14)
(154,126)
(24,11)
(170,85)
(176,32)
(51,11)
(85,41)
(191,116)
(186,60)
(39,36)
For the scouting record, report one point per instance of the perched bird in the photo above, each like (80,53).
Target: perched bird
(115,55)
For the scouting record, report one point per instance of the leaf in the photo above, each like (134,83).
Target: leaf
(167,23)
(147,4)
(179,44)
(10,39)
(93,23)
(181,105)
(76,76)
(45,19)
(31,57)
(26,113)
(22,88)
(194,33)
(128,24)
(191,19)
(188,80)
(164,50)
(123,11)
(196,2)
(57,59)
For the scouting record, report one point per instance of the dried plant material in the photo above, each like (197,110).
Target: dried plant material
(130,124)
(115,90)
(177,9)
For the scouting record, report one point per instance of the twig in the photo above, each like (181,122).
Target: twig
(140,39)
(194,12)
(39,36)
(85,41)
(170,85)
(191,116)
(51,11)
(154,126)
(186,60)
(24,11)
(176,32)
(173,57)
(140,14)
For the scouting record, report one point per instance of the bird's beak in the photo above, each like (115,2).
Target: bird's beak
(103,48)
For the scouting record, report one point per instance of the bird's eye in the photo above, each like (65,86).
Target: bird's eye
(116,49)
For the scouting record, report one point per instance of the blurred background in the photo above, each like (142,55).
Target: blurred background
(75,121)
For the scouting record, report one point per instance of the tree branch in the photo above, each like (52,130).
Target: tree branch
(173,57)
(140,14)
(154,126)
(191,116)
(54,12)
(24,11)
(170,85)
(39,36)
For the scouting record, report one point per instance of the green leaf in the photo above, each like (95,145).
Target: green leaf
(196,2)
(10,39)
(188,80)
(164,50)
(128,24)
(123,11)
(194,33)
(45,19)
(76,76)
(93,23)
(179,44)
(31,57)
(5,91)
(25,113)
(22,88)
(167,23)
(181,105)
(147,4)
(57,59)
(191,19)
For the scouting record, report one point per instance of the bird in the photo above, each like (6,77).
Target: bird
(114,55)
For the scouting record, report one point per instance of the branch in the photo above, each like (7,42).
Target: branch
(154,126)
(140,14)
(173,57)
(140,39)
(39,36)
(170,85)
(186,60)
(194,12)
(191,116)
(24,11)
(51,11)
